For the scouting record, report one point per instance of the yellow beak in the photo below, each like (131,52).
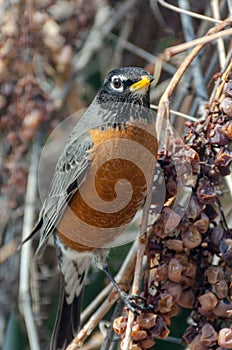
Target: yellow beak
(143,83)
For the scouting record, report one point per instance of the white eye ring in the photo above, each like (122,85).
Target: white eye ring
(117,83)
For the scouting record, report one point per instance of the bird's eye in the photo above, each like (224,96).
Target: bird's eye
(117,83)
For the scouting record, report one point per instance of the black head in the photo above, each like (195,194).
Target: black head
(128,84)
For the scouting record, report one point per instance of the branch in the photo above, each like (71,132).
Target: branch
(163,110)
(171,51)
(190,13)
(142,244)
(220,43)
(29,212)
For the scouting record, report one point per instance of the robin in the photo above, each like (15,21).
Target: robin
(99,184)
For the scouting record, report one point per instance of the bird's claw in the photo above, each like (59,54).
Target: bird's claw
(136,303)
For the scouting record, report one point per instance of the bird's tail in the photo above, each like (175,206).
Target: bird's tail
(67,322)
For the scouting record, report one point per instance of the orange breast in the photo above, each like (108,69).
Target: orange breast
(113,190)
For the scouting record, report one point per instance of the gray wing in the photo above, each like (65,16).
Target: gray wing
(70,171)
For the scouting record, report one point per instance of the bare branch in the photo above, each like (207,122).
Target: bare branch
(163,110)
(144,54)
(142,244)
(190,13)
(179,114)
(29,213)
(171,51)
(220,43)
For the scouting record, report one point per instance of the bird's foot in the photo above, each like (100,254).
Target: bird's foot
(136,303)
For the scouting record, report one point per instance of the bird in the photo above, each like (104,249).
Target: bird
(99,184)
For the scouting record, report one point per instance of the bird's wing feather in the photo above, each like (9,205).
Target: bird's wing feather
(70,171)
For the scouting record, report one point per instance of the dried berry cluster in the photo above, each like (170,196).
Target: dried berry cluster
(190,252)
(37,46)
(146,327)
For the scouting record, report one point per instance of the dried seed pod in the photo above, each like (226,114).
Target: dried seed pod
(160,330)
(214,274)
(189,334)
(183,259)
(153,249)
(210,212)
(208,335)
(210,170)
(175,270)
(208,301)
(147,320)
(195,160)
(166,303)
(221,289)
(138,334)
(209,315)
(171,187)
(222,309)
(131,346)
(191,239)
(147,343)
(161,273)
(223,160)
(190,270)
(174,311)
(228,88)
(226,249)
(194,208)
(206,193)
(226,106)
(196,345)
(216,236)
(119,325)
(219,138)
(175,289)
(202,224)
(187,282)
(160,223)
(225,338)
(187,299)
(175,244)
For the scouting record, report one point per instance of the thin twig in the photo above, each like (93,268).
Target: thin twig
(179,114)
(87,312)
(93,322)
(171,51)
(125,32)
(223,80)
(157,14)
(123,277)
(104,23)
(163,110)
(217,92)
(220,43)
(218,82)
(29,212)
(189,35)
(110,334)
(190,13)
(143,53)
(142,244)
(229,4)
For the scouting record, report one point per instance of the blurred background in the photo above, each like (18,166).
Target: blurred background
(54,56)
